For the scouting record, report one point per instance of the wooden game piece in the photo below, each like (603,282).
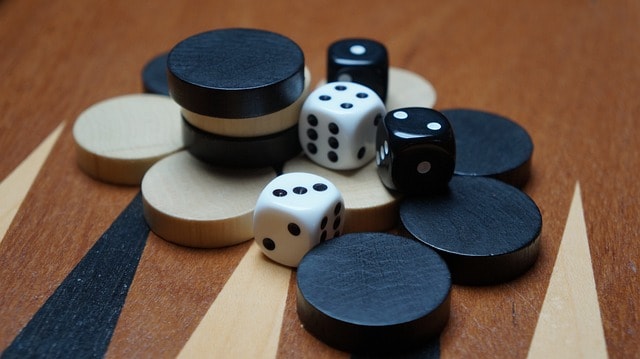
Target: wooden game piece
(14,188)
(118,139)
(252,126)
(486,230)
(373,293)
(79,318)
(490,145)
(241,152)
(570,324)
(408,89)
(245,320)
(154,75)
(191,203)
(369,206)
(236,73)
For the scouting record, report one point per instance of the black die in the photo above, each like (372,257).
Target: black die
(415,150)
(362,61)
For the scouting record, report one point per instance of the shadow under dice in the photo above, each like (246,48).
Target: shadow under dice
(337,126)
(415,150)
(295,212)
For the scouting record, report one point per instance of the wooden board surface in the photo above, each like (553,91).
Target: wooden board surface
(568,72)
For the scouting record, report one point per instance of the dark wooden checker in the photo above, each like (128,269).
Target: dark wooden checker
(567,71)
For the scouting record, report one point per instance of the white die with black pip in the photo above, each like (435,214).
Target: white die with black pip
(338,122)
(294,213)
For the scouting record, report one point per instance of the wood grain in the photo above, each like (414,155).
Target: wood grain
(15,187)
(566,71)
(570,324)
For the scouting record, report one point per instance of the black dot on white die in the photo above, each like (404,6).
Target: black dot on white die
(312,134)
(324,97)
(333,142)
(320,187)
(332,156)
(346,105)
(268,244)
(360,287)
(336,222)
(336,234)
(340,87)
(337,208)
(324,221)
(333,128)
(279,192)
(361,152)
(312,148)
(294,229)
(377,119)
(323,236)
(312,120)
(361,95)
(299,190)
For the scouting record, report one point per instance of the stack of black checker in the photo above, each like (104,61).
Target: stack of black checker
(240,91)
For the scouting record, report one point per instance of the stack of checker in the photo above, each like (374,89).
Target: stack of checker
(240,93)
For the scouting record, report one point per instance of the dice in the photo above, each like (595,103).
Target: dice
(337,125)
(416,150)
(359,60)
(295,212)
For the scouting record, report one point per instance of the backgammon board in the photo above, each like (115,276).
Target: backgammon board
(81,274)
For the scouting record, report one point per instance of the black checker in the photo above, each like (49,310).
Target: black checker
(236,73)
(373,293)
(244,152)
(490,145)
(154,76)
(487,231)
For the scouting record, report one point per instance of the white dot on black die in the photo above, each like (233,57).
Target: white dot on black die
(400,115)
(423,167)
(434,126)
(358,50)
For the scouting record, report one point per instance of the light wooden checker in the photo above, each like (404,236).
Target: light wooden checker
(406,89)
(118,139)
(252,126)
(191,203)
(369,206)
(409,89)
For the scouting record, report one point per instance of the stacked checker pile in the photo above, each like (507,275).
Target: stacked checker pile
(240,91)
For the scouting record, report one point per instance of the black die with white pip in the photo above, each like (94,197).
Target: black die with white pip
(364,61)
(416,150)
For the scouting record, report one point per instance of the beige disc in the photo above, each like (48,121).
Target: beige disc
(190,203)
(118,139)
(254,126)
(369,206)
(406,89)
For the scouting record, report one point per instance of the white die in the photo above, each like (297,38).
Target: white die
(337,126)
(294,213)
